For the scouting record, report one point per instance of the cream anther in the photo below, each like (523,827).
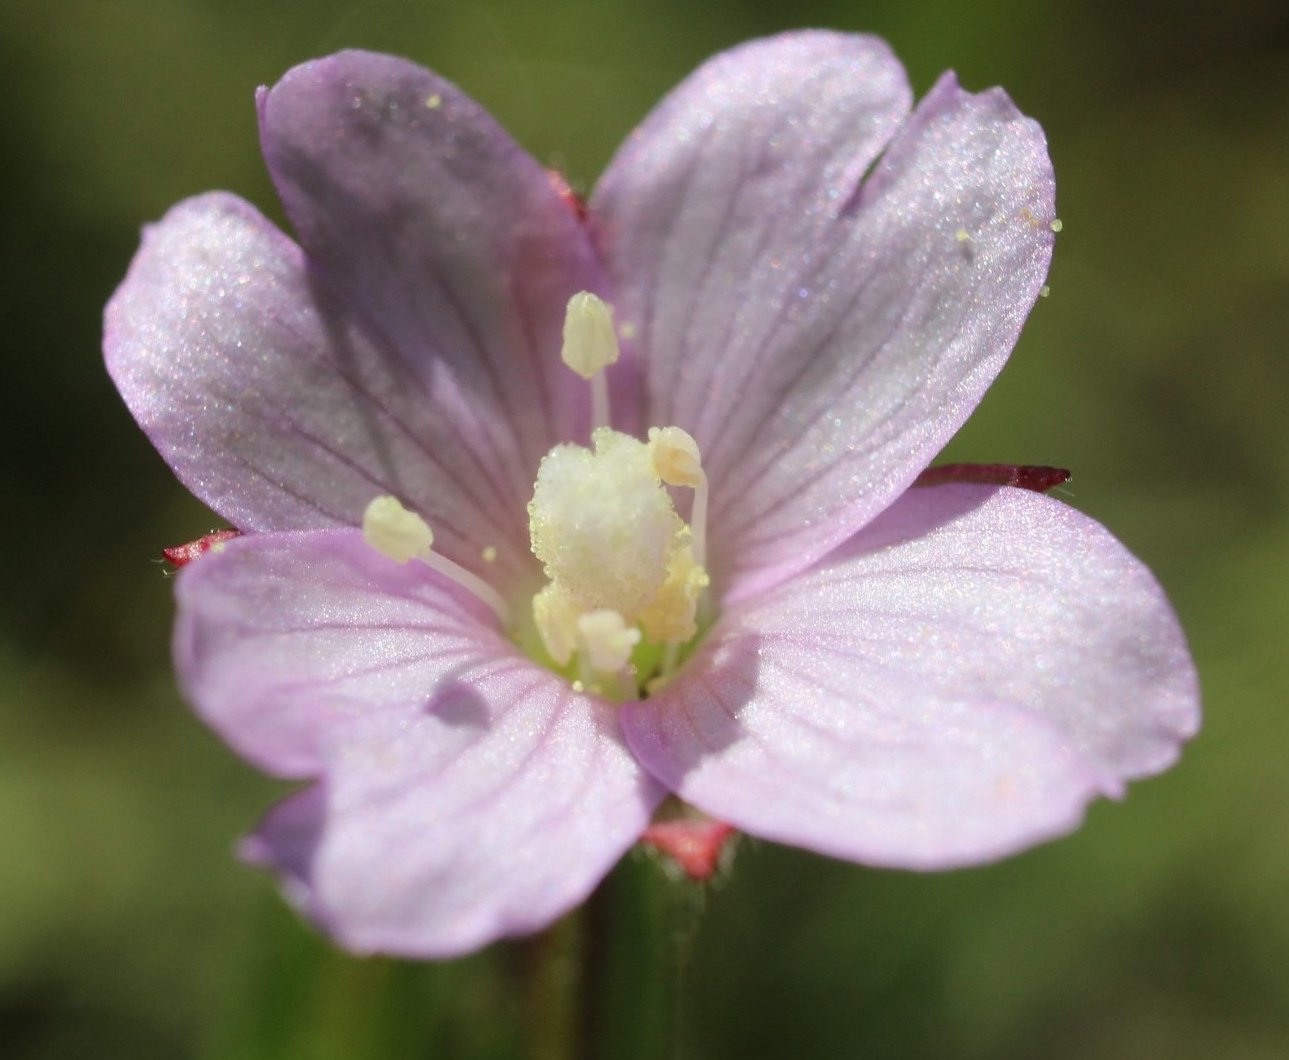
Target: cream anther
(402,536)
(607,640)
(677,461)
(675,457)
(395,532)
(670,616)
(590,346)
(555,615)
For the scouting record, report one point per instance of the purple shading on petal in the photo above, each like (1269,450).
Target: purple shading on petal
(820,334)
(273,401)
(449,237)
(287,841)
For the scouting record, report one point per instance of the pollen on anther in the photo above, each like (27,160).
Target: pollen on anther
(601,523)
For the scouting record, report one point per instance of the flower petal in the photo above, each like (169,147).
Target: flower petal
(274,403)
(279,637)
(464,792)
(954,684)
(448,236)
(819,334)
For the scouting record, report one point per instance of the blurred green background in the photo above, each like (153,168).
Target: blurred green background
(1156,370)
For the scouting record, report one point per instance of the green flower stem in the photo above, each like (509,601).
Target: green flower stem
(554,990)
(609,978)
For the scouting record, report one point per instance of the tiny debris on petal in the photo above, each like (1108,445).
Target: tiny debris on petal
(182,555)
(695,845)
(1034,477)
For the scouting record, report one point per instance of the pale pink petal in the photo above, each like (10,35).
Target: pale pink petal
(434,838)
(281,636)
(275,403)
(450,238)
(954,684)
(821,335)
(464,792)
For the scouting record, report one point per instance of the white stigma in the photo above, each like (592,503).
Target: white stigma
(590,346)
(602,523)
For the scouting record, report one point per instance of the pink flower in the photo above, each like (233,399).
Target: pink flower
(812,280)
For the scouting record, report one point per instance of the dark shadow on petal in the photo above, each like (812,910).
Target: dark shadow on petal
(458,704)
(916,513)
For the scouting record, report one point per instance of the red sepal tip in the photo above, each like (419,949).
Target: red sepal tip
(1034,477)
(182,555)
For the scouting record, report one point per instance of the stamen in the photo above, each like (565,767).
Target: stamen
(670,656)
(555,616)
(698,523)
(604,660)
(402,536)
(590,346)
(607,640)
(395,532)
(677,461)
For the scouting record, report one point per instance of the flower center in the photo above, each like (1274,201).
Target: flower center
(625,573)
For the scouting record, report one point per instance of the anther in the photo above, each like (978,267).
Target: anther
(555,616)
(676,459)
(607,640)
(395,532)
(402,536)
(590,346)
(606,643)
